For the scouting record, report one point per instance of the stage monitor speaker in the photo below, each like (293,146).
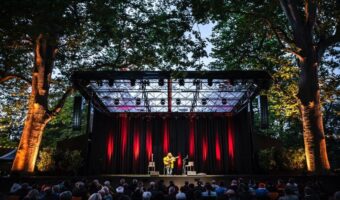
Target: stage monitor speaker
(190,173)
(202,174)
(263,109)
(77,112)
(154,173)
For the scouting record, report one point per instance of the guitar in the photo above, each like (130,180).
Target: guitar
(168,162)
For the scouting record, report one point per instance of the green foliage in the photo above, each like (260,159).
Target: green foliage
(115,35)
(266,159)
(285,159)
(45,162)
(258,35)
(13,103)
(69,161)
(295,159)
(60,127)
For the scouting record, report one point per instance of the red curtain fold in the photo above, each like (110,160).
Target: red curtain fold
(217,147)
(136,142)
(192,138)
(179,162)
(231,142)
(109,146)
(148,140)
(204,147)
(165,136)
(124,133)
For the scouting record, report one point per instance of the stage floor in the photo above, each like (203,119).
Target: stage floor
(162,175)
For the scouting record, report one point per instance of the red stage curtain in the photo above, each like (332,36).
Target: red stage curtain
(192,138)
(148,140)
(130,140)
(165,136)
(231,142)
(124,133)
(109,147)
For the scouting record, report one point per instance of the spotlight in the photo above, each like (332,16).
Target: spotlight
(231,82)
(210,82)
(146,82)
(116,102)
(133,82)
(138,101)
(224,101)
(99,83)
(181,82)
(196,82)
(161,82)
(111,82)
(162,101)
(204,101)
(178,101)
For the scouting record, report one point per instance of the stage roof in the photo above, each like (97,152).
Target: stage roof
(164,91)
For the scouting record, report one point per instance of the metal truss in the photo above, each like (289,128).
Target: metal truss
(167,91)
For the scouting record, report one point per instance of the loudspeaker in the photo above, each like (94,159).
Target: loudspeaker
(191,173)
(154,173)
(263,109)
(77,112)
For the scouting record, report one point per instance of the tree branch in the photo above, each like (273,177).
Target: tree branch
(280,34)
(61,103)
(287,9)
(324,43)
(310,13)
(8,76)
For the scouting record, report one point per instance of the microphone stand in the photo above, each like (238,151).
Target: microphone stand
(184,171)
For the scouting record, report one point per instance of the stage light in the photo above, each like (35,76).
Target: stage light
(181,82)
(161,82)
(162,101)
(99,83)
(178,101)
(110,82)
(138,101)
(133,82)
(116,102)
(224,101)
(146,82)
(196,82)
(210,82)
(204,101)
(231,82)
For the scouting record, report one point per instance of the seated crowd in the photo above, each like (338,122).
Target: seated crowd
(154,190)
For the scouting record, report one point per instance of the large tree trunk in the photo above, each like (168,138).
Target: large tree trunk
(38,114)
(313,131)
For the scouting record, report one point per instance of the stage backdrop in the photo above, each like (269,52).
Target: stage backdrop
(125,143)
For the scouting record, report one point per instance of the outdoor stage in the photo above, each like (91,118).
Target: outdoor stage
(177,179)
(136,118)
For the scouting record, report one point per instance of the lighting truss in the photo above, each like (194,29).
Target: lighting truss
(199,93)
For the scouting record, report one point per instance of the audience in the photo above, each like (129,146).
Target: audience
(157,190)
(289,194)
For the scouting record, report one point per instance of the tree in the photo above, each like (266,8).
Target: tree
(270,34)
(43,41)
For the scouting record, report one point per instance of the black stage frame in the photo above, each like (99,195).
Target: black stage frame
(84,82)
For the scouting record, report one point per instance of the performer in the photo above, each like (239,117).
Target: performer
(168,161)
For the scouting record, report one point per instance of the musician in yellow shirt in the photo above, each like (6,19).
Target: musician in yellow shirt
(169,161)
